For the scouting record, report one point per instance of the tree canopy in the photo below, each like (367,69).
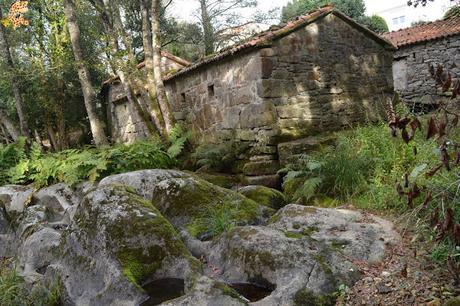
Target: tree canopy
(353,8)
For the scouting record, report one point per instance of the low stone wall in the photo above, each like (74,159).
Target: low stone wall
(411,73)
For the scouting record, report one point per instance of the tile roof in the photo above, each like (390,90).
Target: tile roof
(425,32)
(275,32)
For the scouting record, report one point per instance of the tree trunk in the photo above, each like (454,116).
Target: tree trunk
(160,87)
(12,130)
(6,54)
(155,111)
(97,126)
(208,30)
(115,29)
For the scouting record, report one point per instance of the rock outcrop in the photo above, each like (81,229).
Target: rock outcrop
(137,237)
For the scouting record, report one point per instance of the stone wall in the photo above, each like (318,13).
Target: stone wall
(125,122)
(410,68)
(220,102)
(324,77)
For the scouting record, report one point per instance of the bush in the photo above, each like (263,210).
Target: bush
(364,167)
(89,164)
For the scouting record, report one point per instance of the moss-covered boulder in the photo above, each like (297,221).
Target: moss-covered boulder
(264,196)
(142,182)
(117,242)
(305,253)
(204,209)
(227,181)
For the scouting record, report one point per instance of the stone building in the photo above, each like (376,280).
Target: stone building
(433,43)
(125,121)
(319,72)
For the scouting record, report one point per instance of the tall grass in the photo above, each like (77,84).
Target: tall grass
(363,169)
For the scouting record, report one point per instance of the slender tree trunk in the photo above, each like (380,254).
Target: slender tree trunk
(155,111)
(208,30)
(160,87)
(6,54)
(12,130)
(5,135)
(114,28)
(97,126)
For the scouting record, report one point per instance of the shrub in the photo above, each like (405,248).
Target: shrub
(74,166)
(218,157)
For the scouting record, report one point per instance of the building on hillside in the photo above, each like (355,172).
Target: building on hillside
(272,93)
(125,122)
(418,47)
(399,15)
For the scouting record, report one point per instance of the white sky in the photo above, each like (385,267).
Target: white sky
(184,9)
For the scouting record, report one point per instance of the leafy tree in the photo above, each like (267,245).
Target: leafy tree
(453,12)
(375,23)
(353,8)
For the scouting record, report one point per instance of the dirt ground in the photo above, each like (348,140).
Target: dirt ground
(406,277)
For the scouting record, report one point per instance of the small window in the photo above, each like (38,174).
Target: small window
(402,19)
(395,21)
(211,91)
(182,97)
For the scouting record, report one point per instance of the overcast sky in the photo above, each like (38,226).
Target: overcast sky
(184,9)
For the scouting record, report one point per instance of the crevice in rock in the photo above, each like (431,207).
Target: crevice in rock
(163,290)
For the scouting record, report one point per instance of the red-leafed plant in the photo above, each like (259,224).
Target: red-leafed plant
(438,127)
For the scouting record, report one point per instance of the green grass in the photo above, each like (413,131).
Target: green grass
(15,292)
(363,169)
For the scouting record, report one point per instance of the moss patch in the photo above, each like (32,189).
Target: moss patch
(205,209)
(265,196)
(305,297)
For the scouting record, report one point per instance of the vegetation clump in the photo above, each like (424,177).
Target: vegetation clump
(14,291)
(21,166)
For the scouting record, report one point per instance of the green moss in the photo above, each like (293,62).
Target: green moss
(293,235)
(452,302)
(141,221)
(226,290)
(305,297)
(321,260)
(265,196)
(221,180)
(206,208)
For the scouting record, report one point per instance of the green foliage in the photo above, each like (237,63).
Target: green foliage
(352,8)
(453,12)
(14,291)
(364,167)
(178,138)
(220,219)
(218,157)
(75,166)
(10,155)
(375,23)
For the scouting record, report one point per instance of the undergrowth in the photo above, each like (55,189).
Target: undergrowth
(15,292)
(21,166)
(363,169)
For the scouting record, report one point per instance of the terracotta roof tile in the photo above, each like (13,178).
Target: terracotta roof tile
(425,32)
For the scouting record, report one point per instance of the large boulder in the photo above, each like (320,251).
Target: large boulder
(264,196)
(59,201)
(117,242)
(205,209)
(15,199)
(303,255)
(143,181)
(37,252)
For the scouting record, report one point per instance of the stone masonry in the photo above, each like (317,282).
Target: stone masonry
(325,76)
(273,94)
(411,74)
